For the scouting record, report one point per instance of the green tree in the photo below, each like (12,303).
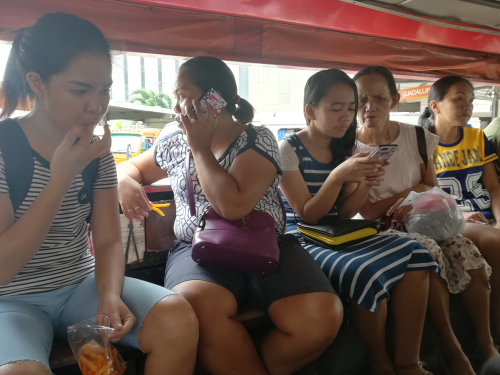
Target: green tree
(151,98)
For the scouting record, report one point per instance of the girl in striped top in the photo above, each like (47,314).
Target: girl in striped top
(320,178)
(49,279)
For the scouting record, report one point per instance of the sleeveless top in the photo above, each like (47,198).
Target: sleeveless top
(314,173)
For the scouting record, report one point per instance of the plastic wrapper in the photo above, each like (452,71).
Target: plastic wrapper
(434,214)
(90,344)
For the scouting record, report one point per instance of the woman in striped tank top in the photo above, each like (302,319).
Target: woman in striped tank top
(49,279)
(320,179)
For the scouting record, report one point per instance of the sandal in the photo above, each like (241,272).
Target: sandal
(413,366)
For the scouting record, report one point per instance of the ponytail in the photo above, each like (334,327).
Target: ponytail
(15,91)
(244,112)
(426,120)
(46,48)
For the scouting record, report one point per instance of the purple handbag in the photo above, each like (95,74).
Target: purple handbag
(247,245)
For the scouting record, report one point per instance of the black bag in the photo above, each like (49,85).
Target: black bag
(335,233)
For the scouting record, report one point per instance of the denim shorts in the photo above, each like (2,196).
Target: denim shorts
(28,323)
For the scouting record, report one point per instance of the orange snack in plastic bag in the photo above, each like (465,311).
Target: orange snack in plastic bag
(95,360)
(90,344)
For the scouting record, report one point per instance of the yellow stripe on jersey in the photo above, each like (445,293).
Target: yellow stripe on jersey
(469,152)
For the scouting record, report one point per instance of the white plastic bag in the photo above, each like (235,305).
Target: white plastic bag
(434,214)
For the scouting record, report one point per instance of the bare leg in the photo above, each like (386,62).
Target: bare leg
(476,298)
(409,305)
(487,240)
(170,336)
(305,325)
(439,308)
(24,368)
(225,346)
(371,330)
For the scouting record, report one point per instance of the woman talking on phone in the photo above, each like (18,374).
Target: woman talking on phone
(322,179)
(236,171)
(463,269)
(49,279)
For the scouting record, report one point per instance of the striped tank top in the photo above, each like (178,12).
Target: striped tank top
(313,172)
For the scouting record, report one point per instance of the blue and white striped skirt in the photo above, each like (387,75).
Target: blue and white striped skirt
(367,271)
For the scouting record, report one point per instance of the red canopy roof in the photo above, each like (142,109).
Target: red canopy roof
(323,33)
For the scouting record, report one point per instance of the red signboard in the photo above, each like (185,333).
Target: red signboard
(415,93)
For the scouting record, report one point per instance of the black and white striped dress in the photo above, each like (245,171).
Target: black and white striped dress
(366,271)
(64,258)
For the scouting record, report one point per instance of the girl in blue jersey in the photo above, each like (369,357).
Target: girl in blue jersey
(463,163)
(320,179)
(48,278)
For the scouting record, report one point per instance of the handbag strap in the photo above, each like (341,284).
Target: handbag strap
(190,191)
(189,184)
(422,146)
(283,210)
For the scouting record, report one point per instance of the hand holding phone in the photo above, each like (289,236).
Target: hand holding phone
(213,98)
(384,152)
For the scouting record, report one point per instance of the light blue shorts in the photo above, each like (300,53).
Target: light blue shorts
(28,323)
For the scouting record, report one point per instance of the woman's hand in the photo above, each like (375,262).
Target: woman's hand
(377,178)
(400,212)
(133,199)
(72,156)
(357,168)
(199,127)
(121,319)
(475,218)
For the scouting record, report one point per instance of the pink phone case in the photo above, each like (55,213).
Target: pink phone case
(214,98)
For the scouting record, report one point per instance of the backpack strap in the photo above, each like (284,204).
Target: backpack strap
(89,175)
(422,145)
(18,161)
(19,167)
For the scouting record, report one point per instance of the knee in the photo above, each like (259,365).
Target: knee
(326,320)
(171,321)
(479,277)
(210,303)
(24,368)
(418,278)
(317,322)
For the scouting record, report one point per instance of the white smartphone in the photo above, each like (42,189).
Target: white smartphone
(384,152)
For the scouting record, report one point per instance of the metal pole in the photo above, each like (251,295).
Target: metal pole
(494,104)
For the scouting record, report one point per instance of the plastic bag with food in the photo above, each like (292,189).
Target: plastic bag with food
(90,344)
(434,214)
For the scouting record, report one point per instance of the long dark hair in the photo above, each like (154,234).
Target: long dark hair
(208,72)
(437,92)
(380,70)
(46,48)
(317,86)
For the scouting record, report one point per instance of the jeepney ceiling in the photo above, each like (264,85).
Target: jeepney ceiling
(477,12)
